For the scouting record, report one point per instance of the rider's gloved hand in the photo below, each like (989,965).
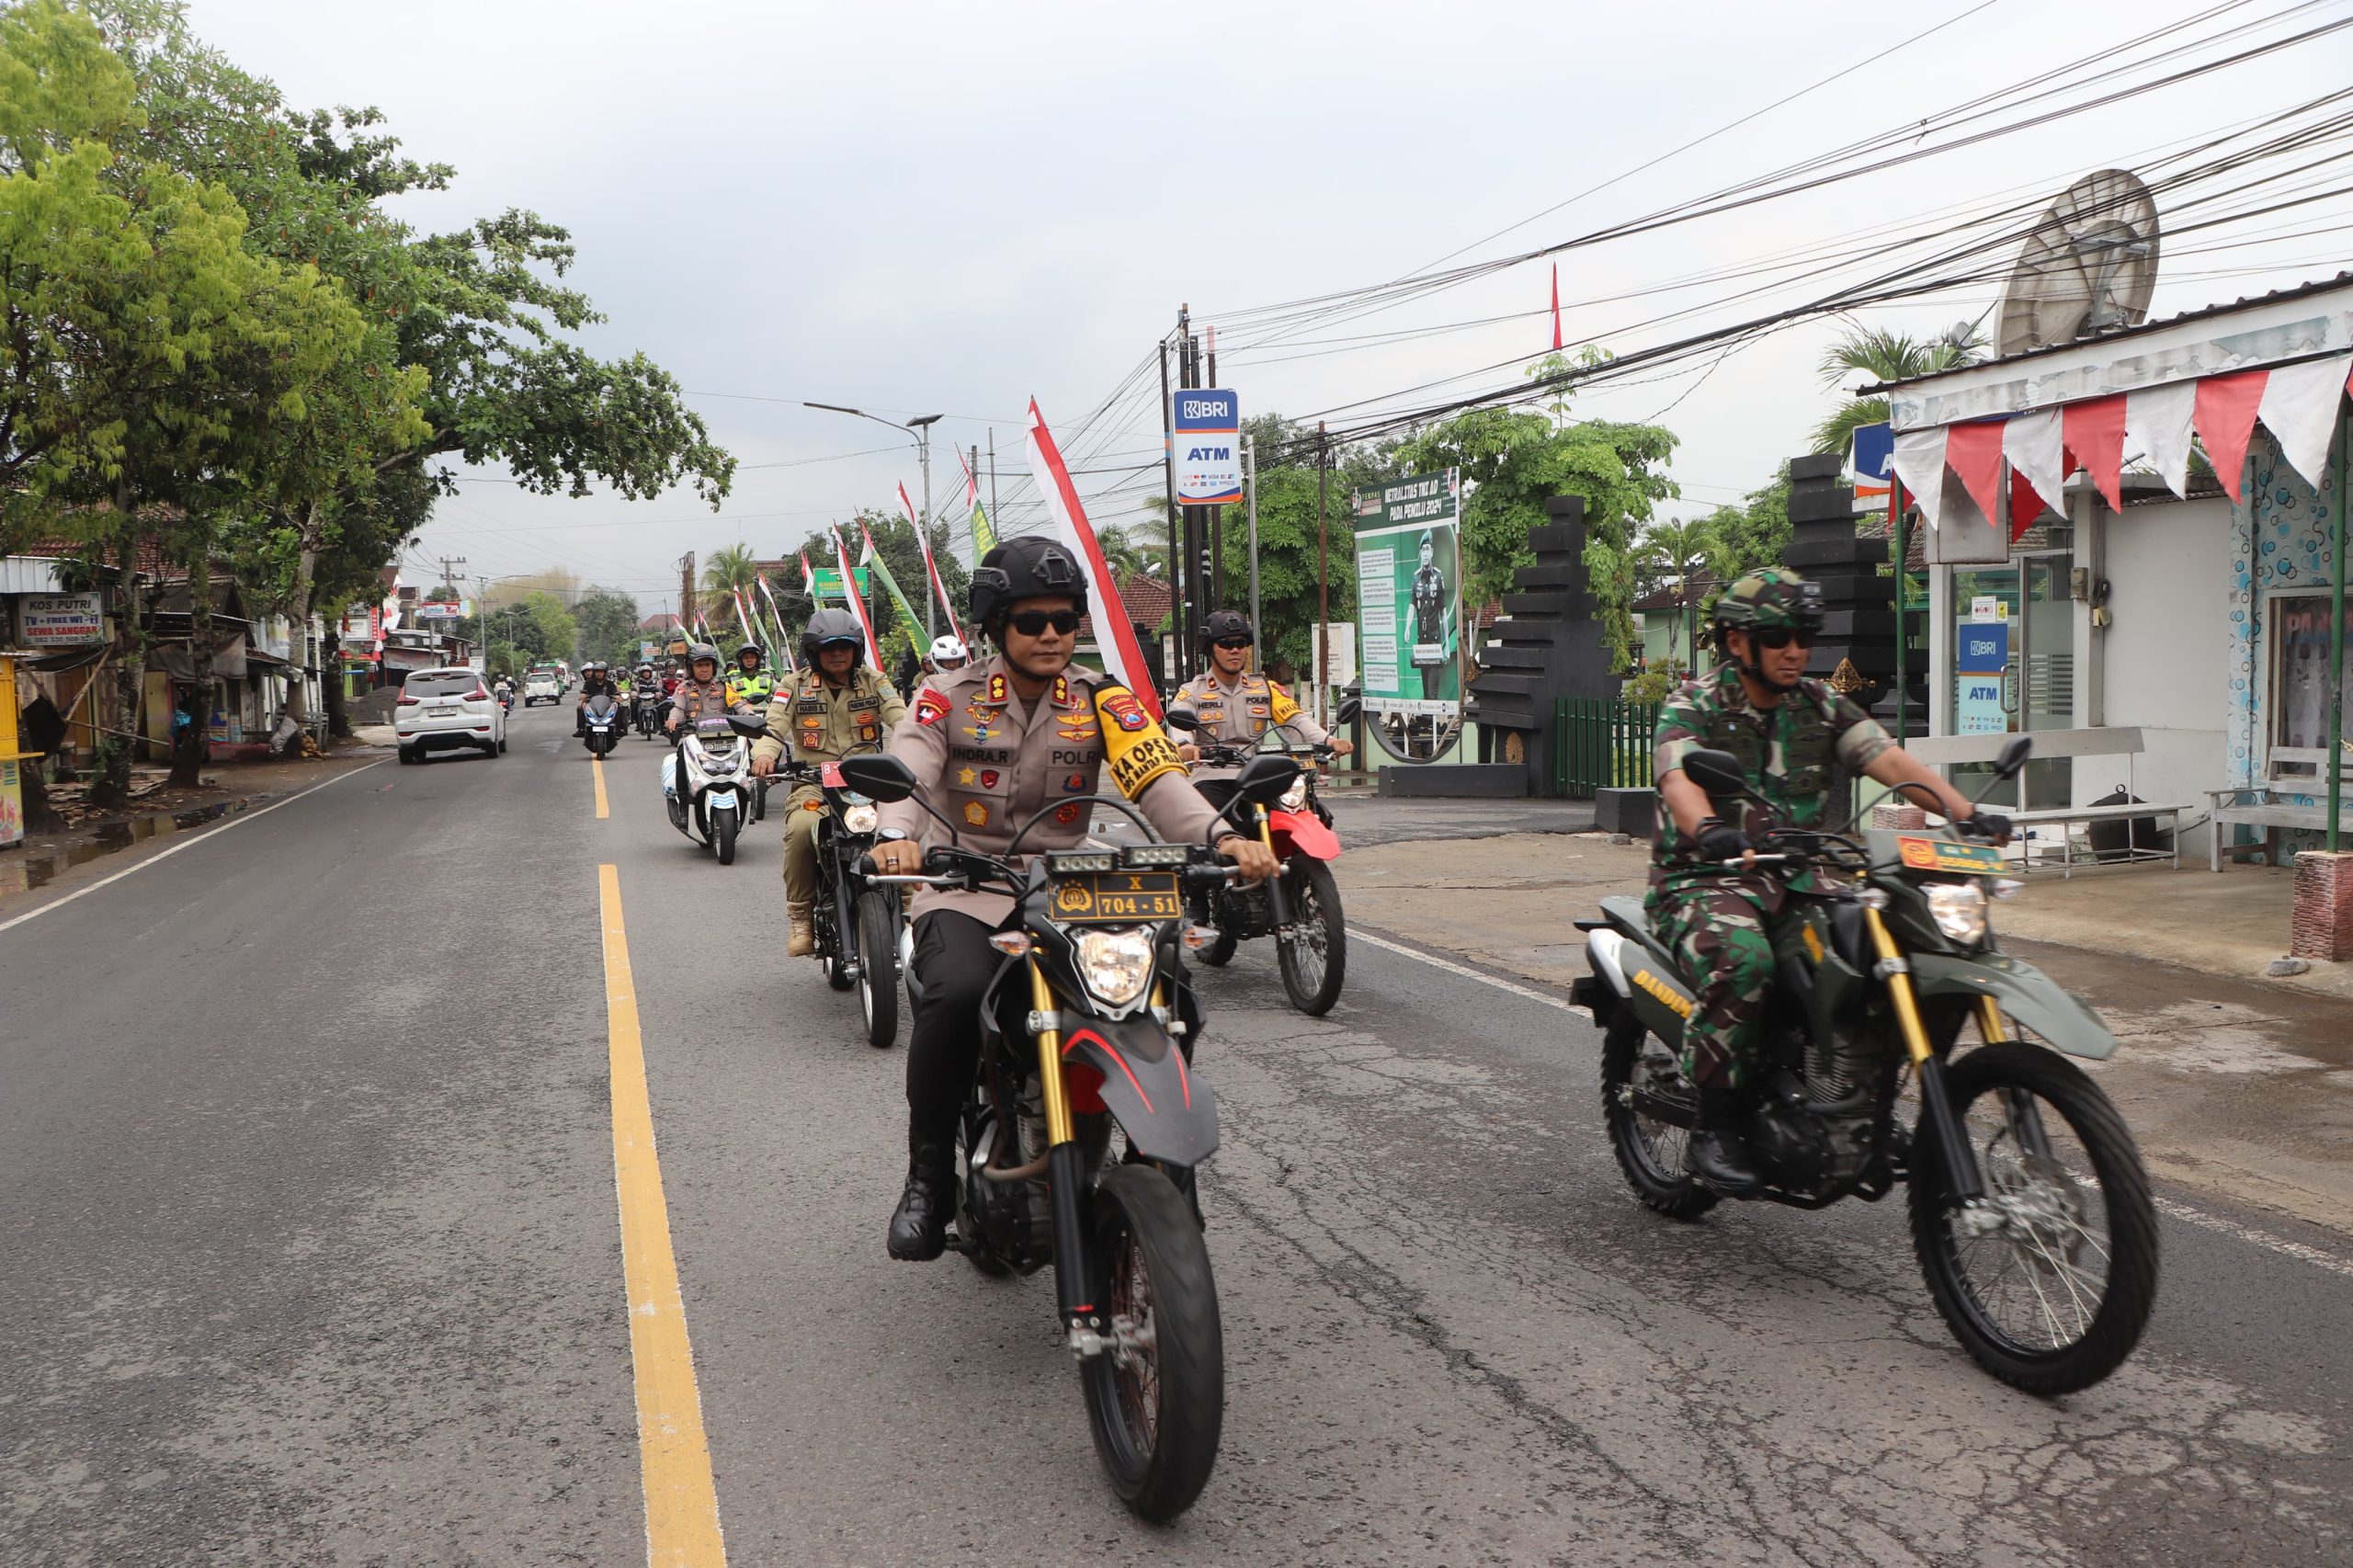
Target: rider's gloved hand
(1991,826)
(1719,840)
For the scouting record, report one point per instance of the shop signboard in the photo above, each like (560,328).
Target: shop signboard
(1206,437)
(58,621)
(1981,655)
(1409,595)
(444,609)
(826,582)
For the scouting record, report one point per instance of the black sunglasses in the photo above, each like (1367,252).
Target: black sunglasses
(1783,636)
(1230,643)
(1033,622)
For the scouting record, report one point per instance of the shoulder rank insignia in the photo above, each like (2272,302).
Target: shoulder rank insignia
(930,707)
(998,691)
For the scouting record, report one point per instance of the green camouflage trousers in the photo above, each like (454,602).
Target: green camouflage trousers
(1721,934)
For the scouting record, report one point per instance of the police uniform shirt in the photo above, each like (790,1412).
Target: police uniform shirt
(825,723)
(1239,714)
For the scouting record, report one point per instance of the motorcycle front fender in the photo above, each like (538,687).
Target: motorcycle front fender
(721,799)
(1168,1109)
(1304,831)
(2057,1017)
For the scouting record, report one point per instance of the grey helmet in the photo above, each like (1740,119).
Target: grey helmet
(699,653)
(828,626)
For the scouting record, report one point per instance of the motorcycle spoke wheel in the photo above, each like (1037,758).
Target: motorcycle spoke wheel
(1652,1152)
(1312,952)
(2050,1278)
(1157,1397)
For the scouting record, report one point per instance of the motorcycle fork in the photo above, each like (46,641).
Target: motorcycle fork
(1065,1167)
(1278,905)
(1936,1107)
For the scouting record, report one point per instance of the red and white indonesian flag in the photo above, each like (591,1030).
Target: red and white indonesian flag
(1067,522)
(857,601)
(931,569)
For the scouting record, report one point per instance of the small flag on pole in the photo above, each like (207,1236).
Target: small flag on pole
(857,604)
(931,568)
(872,560)
(1556,307)
(984,533)
(1122,656)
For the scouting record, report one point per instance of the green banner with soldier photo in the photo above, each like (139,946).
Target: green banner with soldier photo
(1409,594)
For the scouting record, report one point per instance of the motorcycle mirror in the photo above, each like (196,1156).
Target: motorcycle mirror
(1348,711)
(751,726)
(1717,772)
(1264,779)
(2014,755)
(883,777)
(1183,719)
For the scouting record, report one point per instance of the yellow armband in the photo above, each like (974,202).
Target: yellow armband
(1138,749)
(1282,708)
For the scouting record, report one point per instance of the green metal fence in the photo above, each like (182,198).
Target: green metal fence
(1602,742)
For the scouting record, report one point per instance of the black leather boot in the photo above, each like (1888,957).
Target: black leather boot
(919,1224)
(1717,1155)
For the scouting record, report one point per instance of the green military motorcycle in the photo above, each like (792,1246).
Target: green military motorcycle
(1900,1044)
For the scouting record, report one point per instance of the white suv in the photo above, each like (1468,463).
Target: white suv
(444,710)
(542,686)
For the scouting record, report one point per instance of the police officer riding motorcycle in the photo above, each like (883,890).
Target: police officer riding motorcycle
(749,683)
(834,707)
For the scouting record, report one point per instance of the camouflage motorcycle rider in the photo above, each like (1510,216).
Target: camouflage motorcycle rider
(1799,744)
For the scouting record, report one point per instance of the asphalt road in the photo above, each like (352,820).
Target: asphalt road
(311,1246)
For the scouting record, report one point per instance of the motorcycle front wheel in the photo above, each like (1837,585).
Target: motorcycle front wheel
(2049,1280)
(832,939)
(877,969)
(1156,1399)
(723,837)
(1650,1151)
(1312,951)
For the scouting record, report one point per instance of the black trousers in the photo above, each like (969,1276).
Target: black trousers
(953,964)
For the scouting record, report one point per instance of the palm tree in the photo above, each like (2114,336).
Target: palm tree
(731,569)
(1680,554)
(1886,356)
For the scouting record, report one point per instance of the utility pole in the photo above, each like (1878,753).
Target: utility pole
(1323,575)
(1216,574)
(686,594)
(1176,557)
(1250,483)
(450,580)
(923,452)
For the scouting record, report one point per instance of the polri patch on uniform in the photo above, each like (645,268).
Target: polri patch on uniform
(1125,710)
(930,707)
(976,813)
(1075,785)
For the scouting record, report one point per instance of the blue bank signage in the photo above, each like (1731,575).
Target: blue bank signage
(1207,434)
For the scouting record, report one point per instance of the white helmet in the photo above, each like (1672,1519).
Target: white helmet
(946,648)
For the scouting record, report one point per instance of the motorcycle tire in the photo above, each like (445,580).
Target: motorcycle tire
(1656,1175)
(1141,1234)
(1219,953)
(1315,964)
(830,944)
(877,969)
(723,828)
(2037,1181)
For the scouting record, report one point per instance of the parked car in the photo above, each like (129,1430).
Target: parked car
(542,686)
(446,710)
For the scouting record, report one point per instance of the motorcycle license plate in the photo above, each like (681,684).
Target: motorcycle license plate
(1117,898)
(1920,854)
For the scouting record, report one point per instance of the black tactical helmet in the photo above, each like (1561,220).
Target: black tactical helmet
(759,654)
(831,626)
(1029,566)
(699,653)
(1222,624)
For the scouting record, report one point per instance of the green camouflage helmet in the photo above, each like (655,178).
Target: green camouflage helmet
(1770,595)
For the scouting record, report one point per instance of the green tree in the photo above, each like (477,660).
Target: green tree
(608,621)
(729,569)
(1514,461)
(1885,355)
(550,627)
(1753,533)
(1679,555)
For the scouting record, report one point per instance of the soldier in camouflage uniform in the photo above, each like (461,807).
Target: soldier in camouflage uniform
(1798,742)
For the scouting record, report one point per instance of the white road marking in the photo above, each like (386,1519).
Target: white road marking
(2173,1206)
(184,844)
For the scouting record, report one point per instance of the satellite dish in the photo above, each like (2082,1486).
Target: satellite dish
(2089,265)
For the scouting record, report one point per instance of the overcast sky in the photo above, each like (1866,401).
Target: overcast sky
(921,208)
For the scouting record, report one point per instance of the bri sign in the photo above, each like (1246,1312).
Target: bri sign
(1206,441)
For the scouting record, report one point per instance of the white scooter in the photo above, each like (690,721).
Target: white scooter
(706,782)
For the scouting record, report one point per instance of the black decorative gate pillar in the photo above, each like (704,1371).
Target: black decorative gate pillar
(1549,646)
(1856,654)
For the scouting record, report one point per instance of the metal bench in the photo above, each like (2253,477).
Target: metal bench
(2266,806)
(2115,740)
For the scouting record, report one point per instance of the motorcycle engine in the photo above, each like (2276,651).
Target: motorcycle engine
(1013,1219)
(1811,1148)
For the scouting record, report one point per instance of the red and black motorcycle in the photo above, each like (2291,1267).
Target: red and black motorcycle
(1301,909)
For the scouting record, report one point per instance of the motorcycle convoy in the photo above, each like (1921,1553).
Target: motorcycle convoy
(1085,1125)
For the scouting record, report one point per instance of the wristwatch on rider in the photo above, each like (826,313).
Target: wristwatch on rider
(888,834)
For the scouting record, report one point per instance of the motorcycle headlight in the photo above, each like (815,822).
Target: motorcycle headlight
(1295,797)
(1115,965)
(1959,909)
(860,818)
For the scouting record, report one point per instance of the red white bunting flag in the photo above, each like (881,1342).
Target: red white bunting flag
(2038,454)
(1973,451)
(931,567)
(2093,430)
(857,604)
(784,648)
(1920,463)
(2225,419)
(2156,425)
(1113,632)
(808,577)
(972,484)
(2300,408)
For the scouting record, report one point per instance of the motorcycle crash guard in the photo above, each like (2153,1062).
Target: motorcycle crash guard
(2022,991)
(1304,831)
(1168,1110)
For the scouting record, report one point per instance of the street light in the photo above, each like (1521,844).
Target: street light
(920,426)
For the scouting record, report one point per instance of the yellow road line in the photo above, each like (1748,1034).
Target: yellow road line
(596,770)
(681,1501)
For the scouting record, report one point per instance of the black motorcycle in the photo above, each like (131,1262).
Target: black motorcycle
(2030,1211)
(856,925)
(646,712)
(600,724)
(1087,1032)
